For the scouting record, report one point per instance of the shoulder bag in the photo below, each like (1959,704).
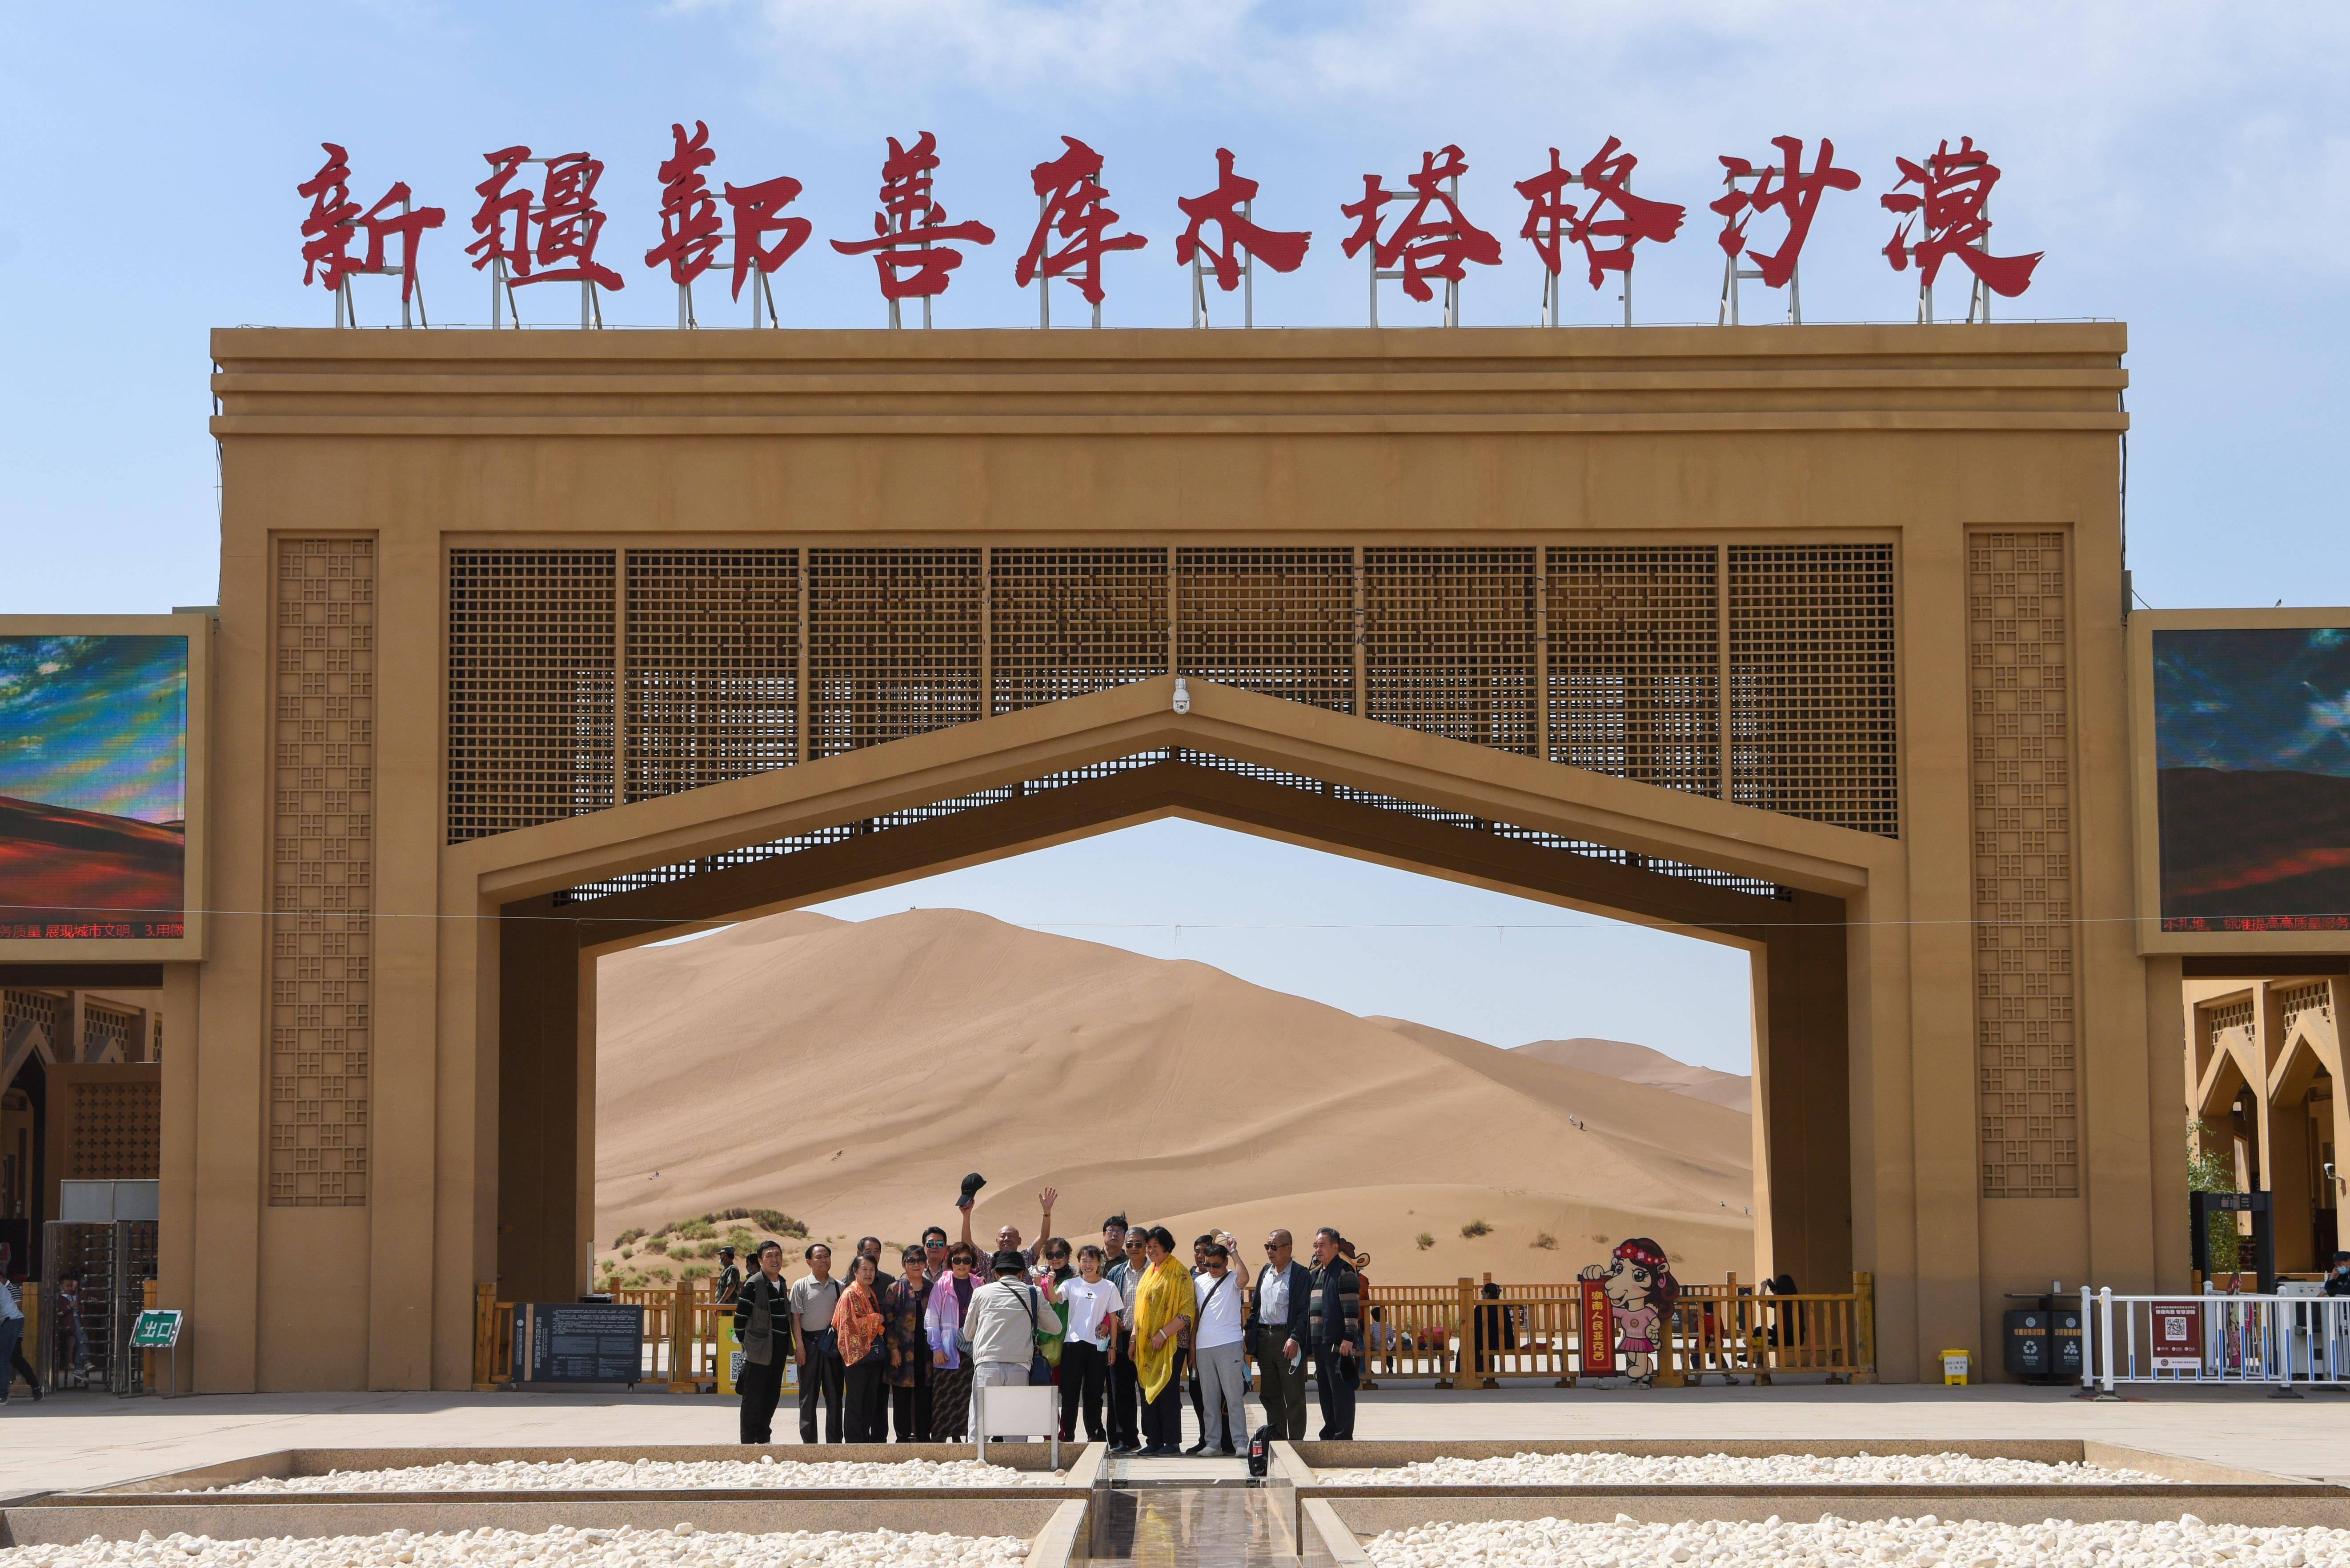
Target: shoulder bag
(1040,1371)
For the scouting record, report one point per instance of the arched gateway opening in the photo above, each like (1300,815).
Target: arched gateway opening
(535,647)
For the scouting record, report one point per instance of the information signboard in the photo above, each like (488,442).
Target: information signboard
(562,1341)
(2177,1336)
(158,1328)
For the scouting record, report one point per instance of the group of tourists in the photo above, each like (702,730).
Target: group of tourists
(1124,1329)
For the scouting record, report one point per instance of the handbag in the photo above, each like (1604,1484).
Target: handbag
(1040,1371)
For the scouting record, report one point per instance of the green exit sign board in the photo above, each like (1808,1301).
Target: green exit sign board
(158,1328)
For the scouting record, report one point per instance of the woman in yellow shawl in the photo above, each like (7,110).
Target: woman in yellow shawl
(1164,1315)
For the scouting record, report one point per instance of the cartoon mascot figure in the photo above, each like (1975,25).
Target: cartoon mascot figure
(1641,1291)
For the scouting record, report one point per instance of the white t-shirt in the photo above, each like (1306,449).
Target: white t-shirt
(1220,1319)
(1087,1304)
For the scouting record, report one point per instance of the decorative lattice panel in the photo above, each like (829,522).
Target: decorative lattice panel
(110,1034)
(893,645)
(1449,643)
(114,1132)
(1636,665)
(1811,684)
(322,873)
(713,659)
(1280,622)
(2226,1015)
(1062,623)
(2019,738)
(2312,996)
(531,654)
(30,1011)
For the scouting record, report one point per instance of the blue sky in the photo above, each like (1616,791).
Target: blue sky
(2186,167)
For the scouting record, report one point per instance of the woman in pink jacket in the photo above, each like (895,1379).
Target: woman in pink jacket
(950,1357)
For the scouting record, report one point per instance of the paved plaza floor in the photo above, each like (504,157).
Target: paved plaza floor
(74,1440)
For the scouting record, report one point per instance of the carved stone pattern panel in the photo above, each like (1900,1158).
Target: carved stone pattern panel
(321,949)
(29,1011)
(2027,1020)
(114,1132)
(110,1034)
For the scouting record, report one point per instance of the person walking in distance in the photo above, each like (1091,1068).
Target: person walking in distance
(1164,1305)
(762,1327)
(1278,1333)
(1125,1391)
(903,1309)
(1224,1370)
(942,1325)
(815,1351)
(1009,1318)
(1092,1305)
(1334,1328)
(859,1331)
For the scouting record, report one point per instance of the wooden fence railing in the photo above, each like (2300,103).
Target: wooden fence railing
(1528,1332)
(681,1335)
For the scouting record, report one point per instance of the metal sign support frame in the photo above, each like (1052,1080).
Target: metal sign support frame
(1248,279)
(1451,285)
(1554,299)
(347,312)
(1731,272)
(1978,297)
(1044,283)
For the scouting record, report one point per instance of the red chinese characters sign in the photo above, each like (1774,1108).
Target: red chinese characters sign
(1948,213)
(1430,244)
(1418,235)
(1075,213)
(1787,187)
(1551,218)
(910,233)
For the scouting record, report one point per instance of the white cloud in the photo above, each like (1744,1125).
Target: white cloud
(2209,127)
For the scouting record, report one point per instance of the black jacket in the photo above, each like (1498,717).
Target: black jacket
(759,1299)
(1301,1301)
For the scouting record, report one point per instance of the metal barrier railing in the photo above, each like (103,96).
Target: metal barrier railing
(2215,1338)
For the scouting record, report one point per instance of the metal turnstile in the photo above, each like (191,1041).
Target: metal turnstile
(86,1331)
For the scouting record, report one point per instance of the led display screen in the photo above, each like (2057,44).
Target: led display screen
(2252,734)
(93,787)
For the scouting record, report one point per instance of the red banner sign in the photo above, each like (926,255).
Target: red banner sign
(1596,1357)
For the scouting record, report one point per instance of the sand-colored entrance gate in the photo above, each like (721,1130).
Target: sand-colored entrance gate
(536,645)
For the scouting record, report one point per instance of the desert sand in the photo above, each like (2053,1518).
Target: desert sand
(1639,1065)
(850,1072)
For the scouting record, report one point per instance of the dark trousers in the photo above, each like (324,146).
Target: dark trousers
(1162,1419)
(1284,1385)
(910,1408)
(867,1415)
(1336,1377)
(1083,1370)
(821,1373)
(1125,1396)
(760,1386)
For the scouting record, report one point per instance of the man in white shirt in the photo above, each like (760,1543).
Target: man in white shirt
(1277,1333)
(821,1374)
(1223,1374)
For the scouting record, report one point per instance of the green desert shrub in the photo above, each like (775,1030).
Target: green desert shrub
(1425,1241)
(1474,1229)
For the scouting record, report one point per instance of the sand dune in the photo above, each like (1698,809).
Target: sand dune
(850,1072)
(1639,1065)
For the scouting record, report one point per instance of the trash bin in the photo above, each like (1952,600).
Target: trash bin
(2023,1339)
(1954,1365)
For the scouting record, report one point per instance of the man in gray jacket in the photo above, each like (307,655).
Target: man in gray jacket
(762,1327)
(1005,1320)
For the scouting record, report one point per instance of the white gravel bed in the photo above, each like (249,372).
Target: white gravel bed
(1724,1469)
(683,1547)
(656,1475)
(1925,1541)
